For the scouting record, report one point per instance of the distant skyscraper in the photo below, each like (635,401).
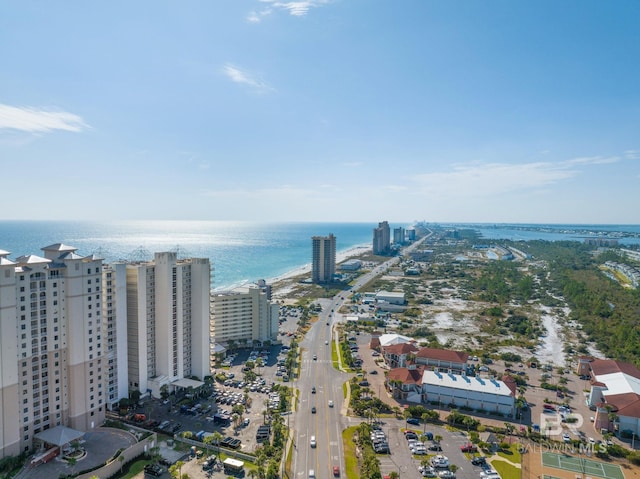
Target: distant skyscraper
(382,239)
(398,235)
(324,258)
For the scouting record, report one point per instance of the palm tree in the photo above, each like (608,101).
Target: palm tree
(176,470)
(121,461)
(72,461)
(215,438)
(425,417)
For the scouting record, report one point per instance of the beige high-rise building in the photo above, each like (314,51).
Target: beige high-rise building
(323,264)
(52,366)
(382,239)
(167,321)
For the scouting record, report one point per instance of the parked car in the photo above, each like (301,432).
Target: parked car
(469,447)
(414,421)
(153,469)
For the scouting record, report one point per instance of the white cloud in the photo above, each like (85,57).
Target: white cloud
(36,120)
(593,160)
(277,192)
(256,16)
(297,9)
(492,179)
(238,75)
(632,154)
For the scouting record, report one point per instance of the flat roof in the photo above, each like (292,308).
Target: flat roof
(392,294)
(187,383)
(233,462)
(466,383)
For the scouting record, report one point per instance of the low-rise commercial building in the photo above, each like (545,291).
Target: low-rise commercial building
(443,359)
(615,394)
(391,297)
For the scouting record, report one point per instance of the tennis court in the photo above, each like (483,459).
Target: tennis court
(584,466)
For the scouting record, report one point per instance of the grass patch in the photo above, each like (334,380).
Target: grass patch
(350,459)
(506,470)
(287,464)
(334,356)
(345,389)
(512,454)
(132,469)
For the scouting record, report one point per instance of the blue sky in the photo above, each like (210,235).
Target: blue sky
(321,110)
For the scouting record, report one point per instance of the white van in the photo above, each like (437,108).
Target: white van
(312,474)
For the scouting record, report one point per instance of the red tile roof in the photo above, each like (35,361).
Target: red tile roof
(401,348)
(609,366)
(406,376)
(627,404)
(510,383)
(443,355)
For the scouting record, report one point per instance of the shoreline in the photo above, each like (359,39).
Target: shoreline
(280,285)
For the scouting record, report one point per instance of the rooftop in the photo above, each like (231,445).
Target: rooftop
(467,383)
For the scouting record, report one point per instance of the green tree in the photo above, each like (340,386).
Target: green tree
(134,396)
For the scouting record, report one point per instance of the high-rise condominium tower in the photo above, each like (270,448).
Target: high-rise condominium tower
(168,321)
(52,363)
(324,258)
(382,239)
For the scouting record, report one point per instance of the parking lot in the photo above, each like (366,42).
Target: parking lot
(404,462)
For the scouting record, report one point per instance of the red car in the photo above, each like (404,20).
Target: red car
(336,471)
(468,447)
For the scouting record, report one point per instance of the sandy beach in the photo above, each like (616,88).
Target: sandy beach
(281,285)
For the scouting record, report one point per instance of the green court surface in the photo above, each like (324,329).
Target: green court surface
(584,466)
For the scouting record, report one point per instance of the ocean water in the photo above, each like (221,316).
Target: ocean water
(245,252)
(626,235)
(239,251)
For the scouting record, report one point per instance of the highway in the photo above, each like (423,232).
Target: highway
(327,424)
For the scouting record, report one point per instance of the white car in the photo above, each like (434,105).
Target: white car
(313,442)
(330,403)
(427,471)
(566,438)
